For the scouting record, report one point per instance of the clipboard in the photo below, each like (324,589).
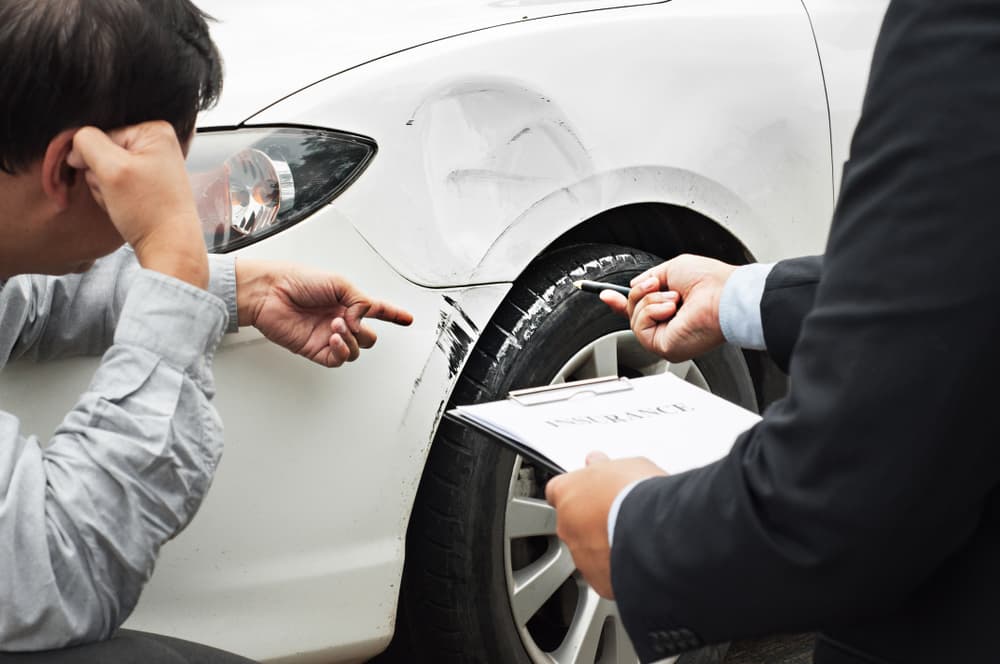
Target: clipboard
(676,424)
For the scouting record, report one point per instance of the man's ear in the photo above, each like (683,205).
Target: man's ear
(57,175)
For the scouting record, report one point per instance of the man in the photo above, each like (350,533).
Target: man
(866,503)
(82,518)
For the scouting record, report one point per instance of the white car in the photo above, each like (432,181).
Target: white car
(468,159)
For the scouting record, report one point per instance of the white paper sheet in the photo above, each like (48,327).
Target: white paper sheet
(675,424)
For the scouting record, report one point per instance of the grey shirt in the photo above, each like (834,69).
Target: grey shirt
(83,515)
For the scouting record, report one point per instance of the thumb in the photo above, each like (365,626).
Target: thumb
(355,313)
(616,301)
(94,150)
(552,489)
(597,457)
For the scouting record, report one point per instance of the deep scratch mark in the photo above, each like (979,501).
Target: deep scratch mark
(461,312)
(454,340)
(455,344)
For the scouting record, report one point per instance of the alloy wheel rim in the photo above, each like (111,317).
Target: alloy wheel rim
(541,578)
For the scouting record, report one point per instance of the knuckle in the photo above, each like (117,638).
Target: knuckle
(161,128)
(116,174)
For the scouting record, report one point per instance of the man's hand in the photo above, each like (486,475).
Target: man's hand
(312,313)
(583,500)
(137,175)
(662,324)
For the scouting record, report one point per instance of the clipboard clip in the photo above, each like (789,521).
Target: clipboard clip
(534,396)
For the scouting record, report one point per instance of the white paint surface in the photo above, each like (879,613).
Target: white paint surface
(490,145)
(493,144)
(272,50)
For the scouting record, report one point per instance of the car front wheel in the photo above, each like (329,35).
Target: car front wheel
(486,578)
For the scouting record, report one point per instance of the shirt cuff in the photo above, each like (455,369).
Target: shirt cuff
(173,319)
(739,306)
(222,284)
(616,507)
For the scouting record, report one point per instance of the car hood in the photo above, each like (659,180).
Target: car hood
(273,49)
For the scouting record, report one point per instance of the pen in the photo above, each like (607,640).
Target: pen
(598,286)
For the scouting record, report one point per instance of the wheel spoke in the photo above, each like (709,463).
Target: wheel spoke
(680,369)
(530,516)
(584,635)
(603,359)
(595,634)
(618,649)
(537,582)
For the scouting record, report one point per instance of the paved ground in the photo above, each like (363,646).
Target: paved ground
(780,650)
(784,650)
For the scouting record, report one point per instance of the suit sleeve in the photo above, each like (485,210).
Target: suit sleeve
(789,294)
(874,469)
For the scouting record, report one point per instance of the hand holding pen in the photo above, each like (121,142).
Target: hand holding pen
(653,306)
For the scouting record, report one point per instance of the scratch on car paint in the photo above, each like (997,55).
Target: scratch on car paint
(455,335)
(454,342)
(456,332)
(461,312)
(519,135)
(486,175)
(566,192)
(440,411)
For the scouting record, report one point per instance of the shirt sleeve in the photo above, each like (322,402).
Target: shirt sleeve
(46,318)
(615,508)
(83,518)
(740,319)
(739,306)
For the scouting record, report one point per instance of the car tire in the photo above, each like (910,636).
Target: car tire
(457,604)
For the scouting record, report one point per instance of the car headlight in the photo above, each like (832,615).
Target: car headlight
(251,183)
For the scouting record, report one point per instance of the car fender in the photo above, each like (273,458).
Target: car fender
(300,539)
(717,105)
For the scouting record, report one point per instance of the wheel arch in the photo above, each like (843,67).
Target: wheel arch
(662,210)
(659,228)
(668,230)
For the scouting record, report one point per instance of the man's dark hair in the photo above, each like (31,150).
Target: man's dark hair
(105,63)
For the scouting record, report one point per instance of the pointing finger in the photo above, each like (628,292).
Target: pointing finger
(389,312)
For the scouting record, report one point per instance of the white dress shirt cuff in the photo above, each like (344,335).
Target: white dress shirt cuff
(739,306)
(615,507)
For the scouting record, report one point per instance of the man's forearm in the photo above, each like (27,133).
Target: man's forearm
(76,314)
(124,473)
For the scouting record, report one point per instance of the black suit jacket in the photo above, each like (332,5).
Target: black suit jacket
(866,503)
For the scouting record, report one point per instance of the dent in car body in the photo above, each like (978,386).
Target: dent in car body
(733,124)
(492,148)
